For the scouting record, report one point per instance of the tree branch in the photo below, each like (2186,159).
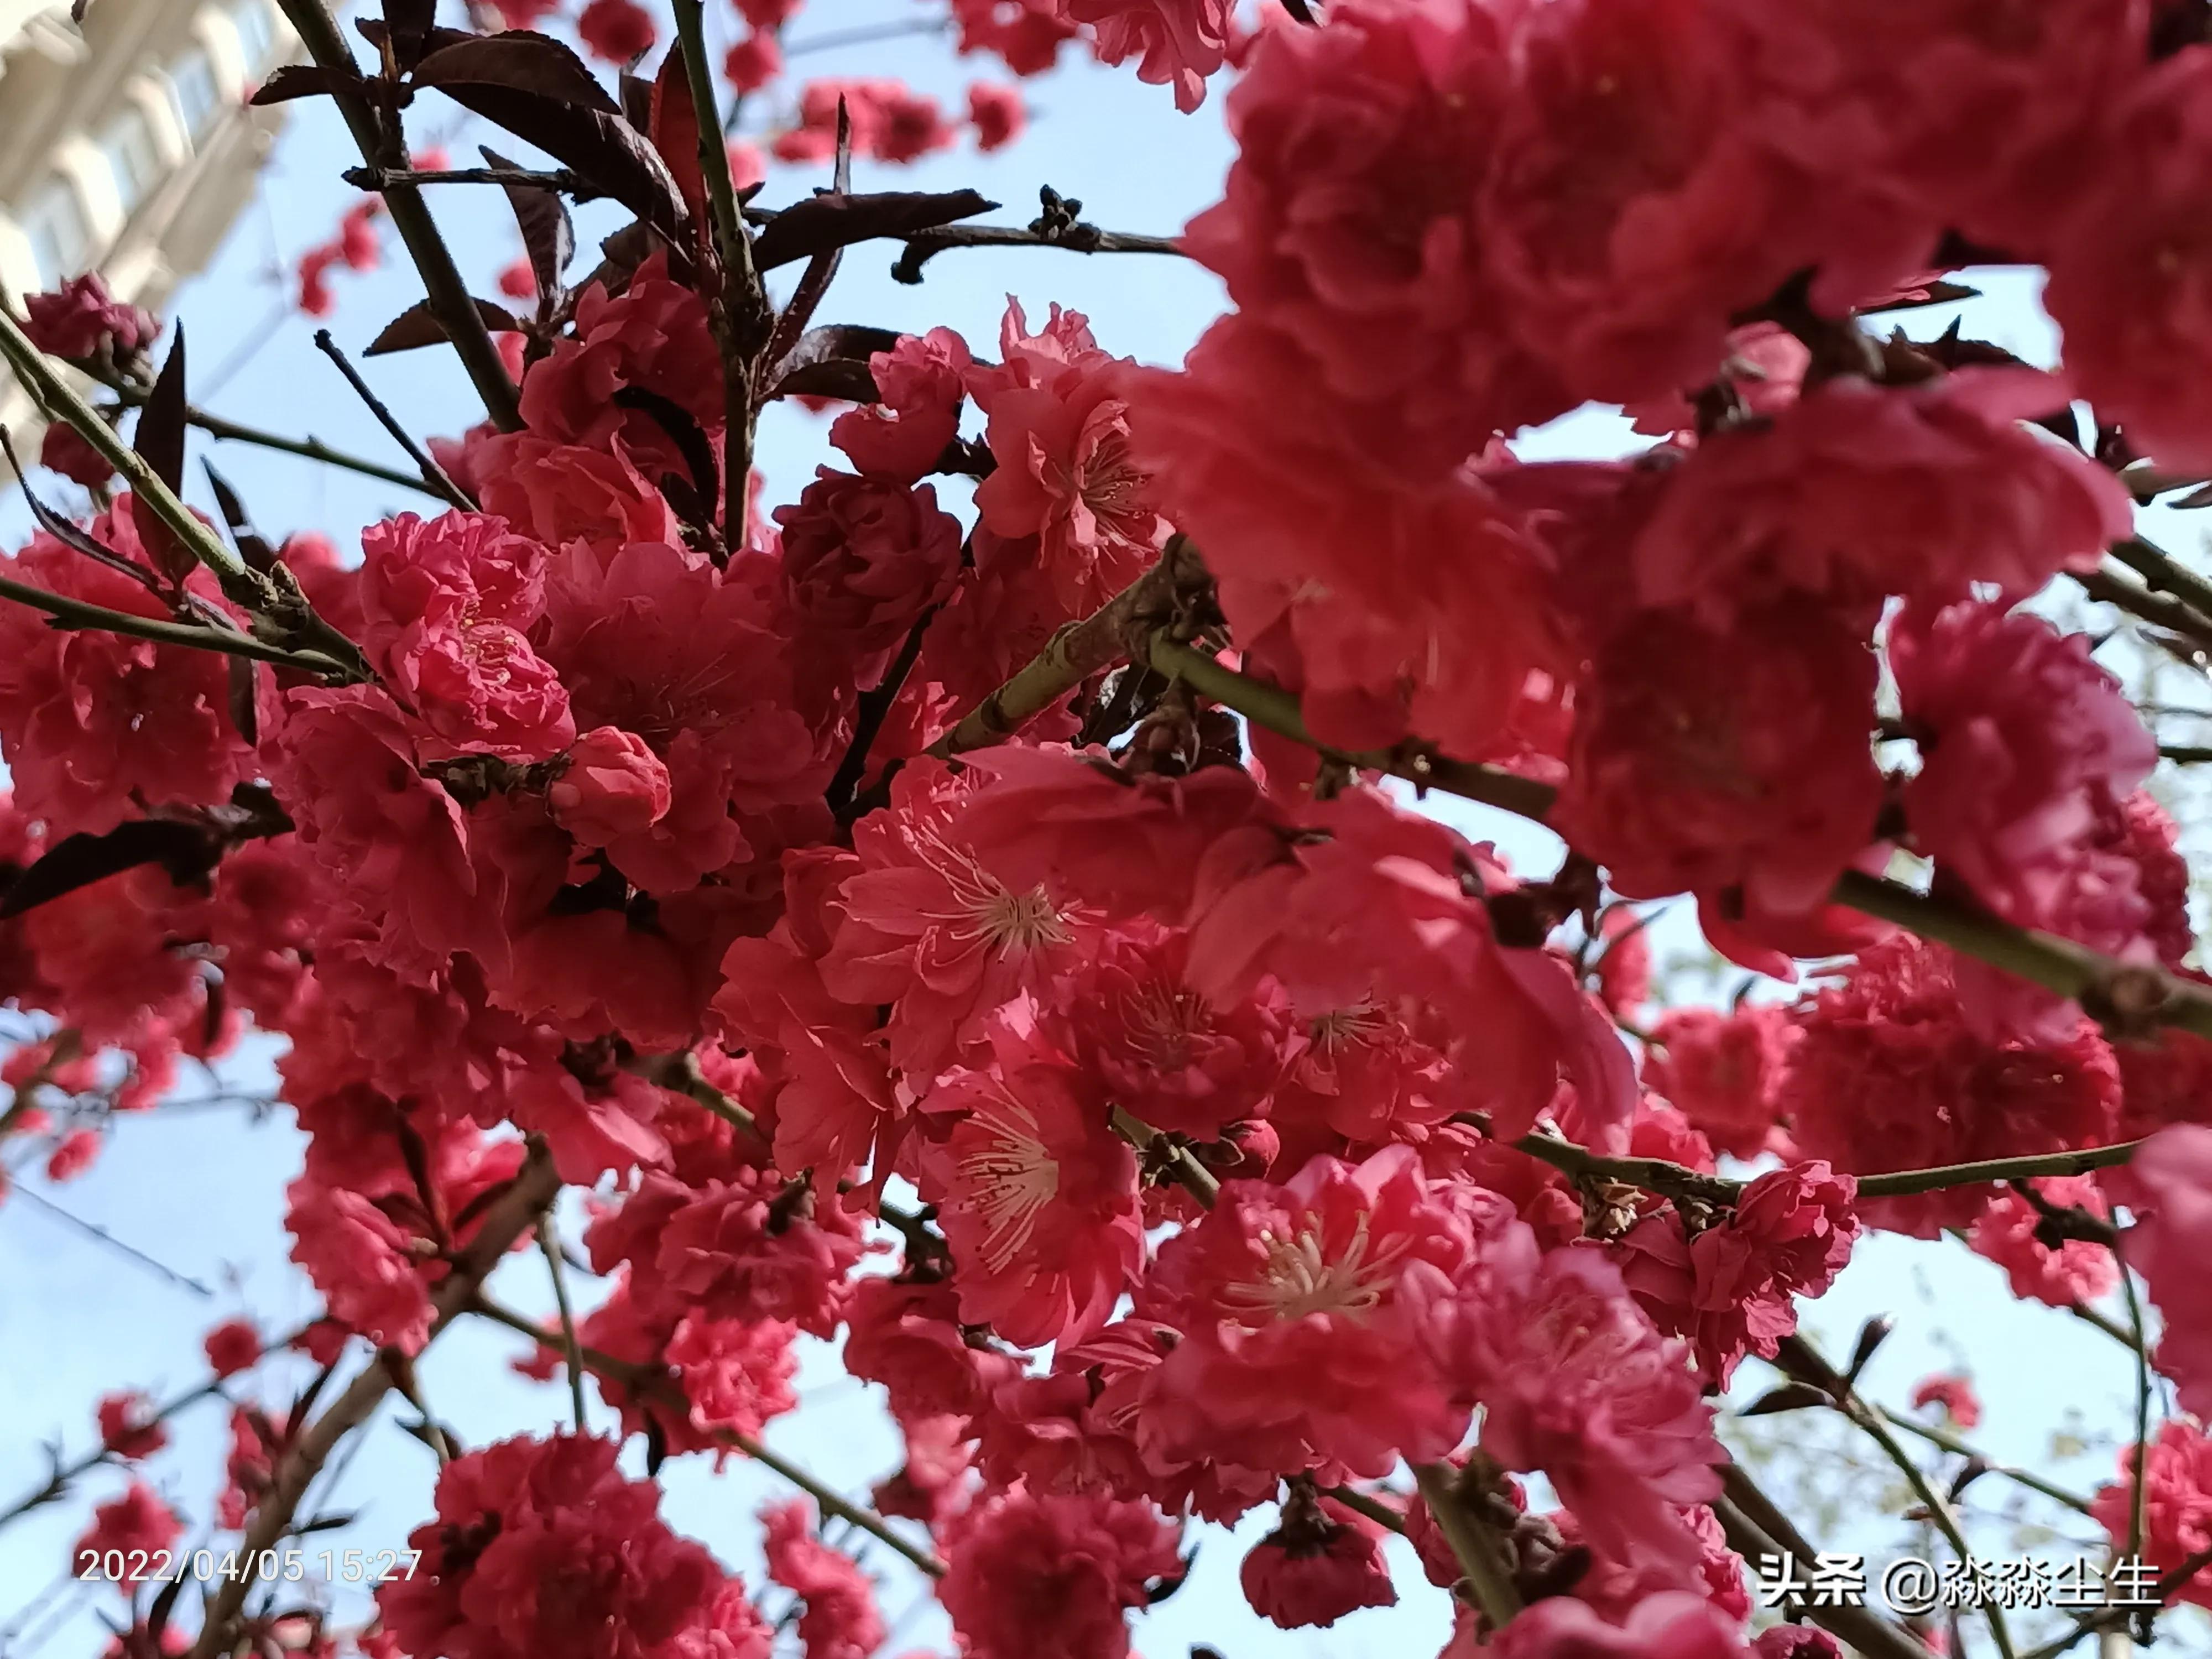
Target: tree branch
(735,306)
(1471,1541)
(78,613)
(508,1219)
(926,246)
(1857,1627)
(1951,1442)
(441,278)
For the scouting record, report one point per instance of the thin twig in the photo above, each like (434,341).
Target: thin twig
(380,146)
(225,430)
(875,705)
(1177,1159)
(568,182)
(2138,1476)
(550,1249)
(432,475)
(2165,573)
(101,1235)
(1951,1442)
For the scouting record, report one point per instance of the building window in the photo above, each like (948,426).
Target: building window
(132,157)
(257,36)
(192,81)
(61,241)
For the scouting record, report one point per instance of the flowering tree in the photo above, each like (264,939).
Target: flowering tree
(1015,947)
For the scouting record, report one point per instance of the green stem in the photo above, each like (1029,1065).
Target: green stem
(1471,1542)
(1951,1442)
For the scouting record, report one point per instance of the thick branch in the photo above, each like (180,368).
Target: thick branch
(508,1219)
(441,278)
(2165,573)
(1471,1542)
(1072,656)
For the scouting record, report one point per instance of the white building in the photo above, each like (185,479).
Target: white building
(126,145)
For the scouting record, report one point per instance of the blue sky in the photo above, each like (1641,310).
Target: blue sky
(203,1188)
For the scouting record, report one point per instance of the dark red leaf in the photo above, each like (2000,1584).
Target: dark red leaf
(520,61)
(290,81)
(674,130)
(832,221)
(66,532)
(832,363)
(159,441)
(548,235)
(672,418)
(418,326)
(409,23)
(618,159)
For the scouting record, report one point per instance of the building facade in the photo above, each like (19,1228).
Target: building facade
(126,145)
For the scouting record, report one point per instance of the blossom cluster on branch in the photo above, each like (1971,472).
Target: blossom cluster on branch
(751,864)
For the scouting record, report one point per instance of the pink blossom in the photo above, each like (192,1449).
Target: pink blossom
(1856,491)
(2077,1270)
(1037,1195)
(1730,1288)
(562,493)
(1887,1073)
(234,1347)
(1027,35)
(840,1620)
(907,1335)
(81,318)
(998,114)
(1673,1624)
(138,1526)
(1180,42)
(2127,268)
(2177,1504)
(445,604)
(866,559)
(1058,424)
(612,785)
(363,1263)
(1707,760)
(889,120)
(1018,1563)
(1321,1562)
(1955,1395)
(653,335)
(66,450)
(96,722)
(921,385)
(753,62)
(737,1373)
(1720,1070)
(1575,1382)
(74,1154)
(2173,1169)
(541,1548)
(129,1426)
(1296,1352)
